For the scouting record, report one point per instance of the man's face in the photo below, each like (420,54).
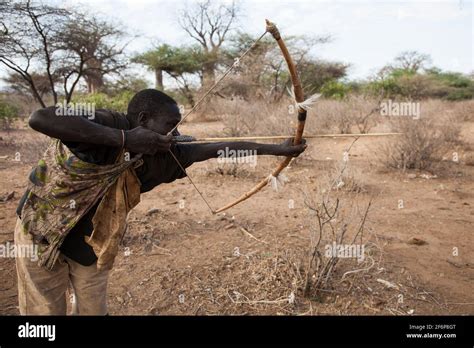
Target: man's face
(165,121)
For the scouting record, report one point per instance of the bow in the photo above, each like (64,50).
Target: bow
(299,101)
(299,98)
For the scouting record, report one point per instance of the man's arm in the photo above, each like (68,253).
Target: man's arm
(81,129)
(203,152)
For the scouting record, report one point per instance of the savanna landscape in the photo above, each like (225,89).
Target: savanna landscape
(356,225)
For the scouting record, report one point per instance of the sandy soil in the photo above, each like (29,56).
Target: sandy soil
(184,260)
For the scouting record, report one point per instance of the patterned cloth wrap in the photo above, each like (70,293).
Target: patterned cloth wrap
(63,188)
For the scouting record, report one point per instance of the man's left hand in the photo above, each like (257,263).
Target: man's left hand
(288,149)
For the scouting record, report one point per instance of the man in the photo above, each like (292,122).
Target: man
(75,207)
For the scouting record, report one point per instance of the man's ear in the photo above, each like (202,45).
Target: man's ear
(143,118)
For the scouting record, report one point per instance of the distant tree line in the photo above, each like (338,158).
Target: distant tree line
(54,54)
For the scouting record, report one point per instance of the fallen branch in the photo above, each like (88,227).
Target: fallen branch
(247,233)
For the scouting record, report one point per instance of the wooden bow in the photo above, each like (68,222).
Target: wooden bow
(299,98)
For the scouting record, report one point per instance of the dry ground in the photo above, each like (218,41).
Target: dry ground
(185,261)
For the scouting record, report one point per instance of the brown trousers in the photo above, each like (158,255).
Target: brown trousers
(43,292)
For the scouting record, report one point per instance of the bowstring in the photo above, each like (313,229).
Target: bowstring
(191,181)
(227,72)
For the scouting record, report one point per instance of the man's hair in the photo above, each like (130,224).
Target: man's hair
(150,100)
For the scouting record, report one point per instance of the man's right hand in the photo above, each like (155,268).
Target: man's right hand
(142,140)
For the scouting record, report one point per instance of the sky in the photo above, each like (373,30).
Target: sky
(365,34)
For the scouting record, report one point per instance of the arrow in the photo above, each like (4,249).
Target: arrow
(189,139)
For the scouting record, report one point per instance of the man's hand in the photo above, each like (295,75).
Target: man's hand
(142,140)
(288,149)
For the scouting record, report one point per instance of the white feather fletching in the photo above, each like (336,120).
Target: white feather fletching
(278,181)
(306,104)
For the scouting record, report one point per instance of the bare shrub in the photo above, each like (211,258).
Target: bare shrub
(342,119)
(418,148)
(231,169)
(363,111)
(463,111)
(238,120)
(329,117)
(215,108)
(336,221)
(336,233)
(424,141)
(27,148)
(469,159)
(348,178)
(354,113)
(258,117)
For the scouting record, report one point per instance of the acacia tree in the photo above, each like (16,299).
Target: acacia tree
(61,45)
(264,68)
(411,61)
(18,84)
(180,63)
(28,41)
(315,73)
(155,60)
(209,23)
(98,42)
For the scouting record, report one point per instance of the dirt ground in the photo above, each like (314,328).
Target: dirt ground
(179,259)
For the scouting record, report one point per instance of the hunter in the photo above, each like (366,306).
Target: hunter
(78,196)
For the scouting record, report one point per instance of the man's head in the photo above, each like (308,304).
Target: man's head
(153,110)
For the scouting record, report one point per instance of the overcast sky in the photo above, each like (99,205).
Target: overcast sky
(366,34)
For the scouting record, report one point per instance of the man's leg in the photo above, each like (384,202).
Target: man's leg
(40,292)
(90,288)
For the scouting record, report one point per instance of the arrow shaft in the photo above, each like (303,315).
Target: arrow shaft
(276,137)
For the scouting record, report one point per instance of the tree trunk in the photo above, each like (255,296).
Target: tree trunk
(159,79)
(95,83)
(188,95)
(94,77)
(208,75)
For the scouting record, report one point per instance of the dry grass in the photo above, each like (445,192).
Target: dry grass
(230,169)
(27,148)
(258,117)
(344,176)
(424,143)
(426,140)
(291,279)
(462,111)
(356,113)
(261,117)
